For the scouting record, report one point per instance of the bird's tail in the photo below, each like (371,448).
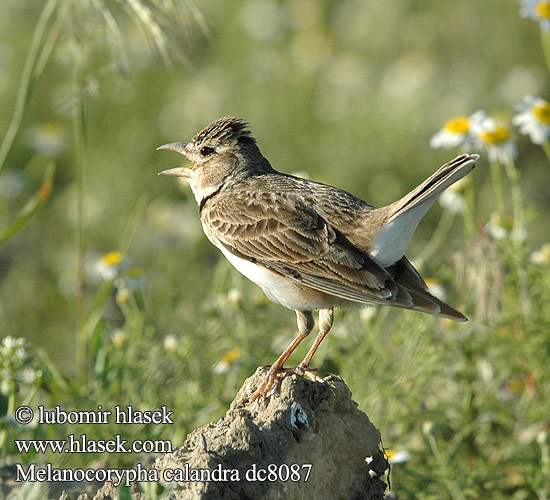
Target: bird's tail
(425,193)
(401,218)
(413,293)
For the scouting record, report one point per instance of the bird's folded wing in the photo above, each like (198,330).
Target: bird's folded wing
(283,234)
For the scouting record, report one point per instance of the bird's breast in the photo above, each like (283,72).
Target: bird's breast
(279,289)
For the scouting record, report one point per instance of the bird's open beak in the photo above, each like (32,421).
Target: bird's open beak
(178,147)
(177,172)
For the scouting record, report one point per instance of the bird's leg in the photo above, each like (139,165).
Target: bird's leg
(305,325)
(326,319)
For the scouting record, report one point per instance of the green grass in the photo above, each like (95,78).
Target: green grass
(351,103)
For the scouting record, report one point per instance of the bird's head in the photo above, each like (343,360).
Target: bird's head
(215,152)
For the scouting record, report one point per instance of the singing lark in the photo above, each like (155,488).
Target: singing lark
(307,245)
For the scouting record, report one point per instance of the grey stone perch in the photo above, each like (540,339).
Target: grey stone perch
(303,423)
(304,429)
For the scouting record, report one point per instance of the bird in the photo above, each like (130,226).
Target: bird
(309,246)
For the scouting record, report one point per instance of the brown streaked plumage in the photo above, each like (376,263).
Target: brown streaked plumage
(308,245)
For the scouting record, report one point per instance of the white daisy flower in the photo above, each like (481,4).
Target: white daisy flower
(542,255)
(108,266)
(170,343)
(368,314)
(11,184)
(118,337)
(228,360)
(427,428)
(234,296)
(122,292)
(398,456)
(48,138)
(500,229)
(132,279)
(436,288)
(455,133)
(538,10)
(27,376)
(519,234)
(453,201)
(533,119)
(495,227)
(493,136)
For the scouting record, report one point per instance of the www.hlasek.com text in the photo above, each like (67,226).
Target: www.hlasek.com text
(81,444)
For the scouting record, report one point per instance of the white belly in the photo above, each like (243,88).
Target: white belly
(277,288)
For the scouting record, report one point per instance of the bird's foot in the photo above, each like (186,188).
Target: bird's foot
(307,372)
(263,389)
(275,372)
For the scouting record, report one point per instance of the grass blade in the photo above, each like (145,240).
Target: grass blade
(31,207)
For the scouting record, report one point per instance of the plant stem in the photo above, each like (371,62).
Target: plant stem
(37,52)
(132,225)
(31,207)
(469,215)
(79,120)
(517,197)
(438,237)
(518,228)
(545,42)
(546,148)
(452,488)
(10,410)
(545,467)
(498,189)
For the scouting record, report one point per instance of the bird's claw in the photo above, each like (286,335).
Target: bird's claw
(309,373)
(273,374)
(263,389)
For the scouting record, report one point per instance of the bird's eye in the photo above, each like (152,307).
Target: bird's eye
(206,151)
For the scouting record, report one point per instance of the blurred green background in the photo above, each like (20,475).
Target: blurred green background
(345,92)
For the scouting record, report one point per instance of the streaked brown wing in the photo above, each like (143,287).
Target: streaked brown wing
(283,233)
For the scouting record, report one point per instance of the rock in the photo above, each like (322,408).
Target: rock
(308,440)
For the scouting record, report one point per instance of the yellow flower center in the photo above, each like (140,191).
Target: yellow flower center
(498,136)
(458,125)
(134,272)
(543,9)
(112,259)
(231,356)
(50,127)
(516,386)
(542,112)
